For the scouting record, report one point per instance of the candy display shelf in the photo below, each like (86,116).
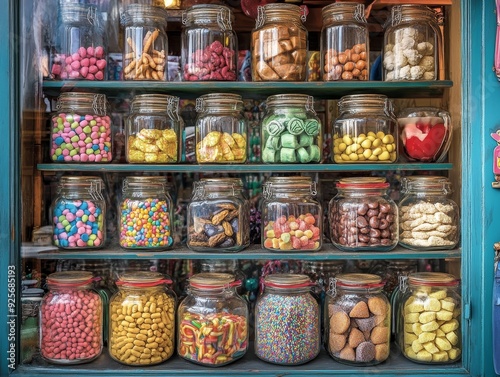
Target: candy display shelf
(248,365)
(242,168)
(319,89)
(254,252)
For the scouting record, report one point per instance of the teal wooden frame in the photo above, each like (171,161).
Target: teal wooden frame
(480,99)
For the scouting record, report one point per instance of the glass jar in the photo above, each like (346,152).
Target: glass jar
(365,131)
(345,42)
(425,133)
(291,130)
(218,216)
(320,273)
(287,321)
(429,328)
(292,219)
(146,43)
(212,321)
(146,214)
(82,53)
(279,44)
(358,320)
(79,213)
(209,44)
(153,129)
(362,216)
(221,129)
(71,319)
(142,319)
(394,270)
(429,219)
(412,44)
(81,129)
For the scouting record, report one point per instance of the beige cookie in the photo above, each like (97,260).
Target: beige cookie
(377,305)
(339,322)
(360,310)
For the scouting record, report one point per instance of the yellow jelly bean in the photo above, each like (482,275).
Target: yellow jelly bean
(342,147)
(347,140)
(367,143)
(384,156)
(377,151)
(353,157)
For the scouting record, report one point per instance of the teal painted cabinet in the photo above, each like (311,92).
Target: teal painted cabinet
(480,203)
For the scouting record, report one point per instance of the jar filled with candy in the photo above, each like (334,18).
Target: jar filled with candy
(425,133)
(142,319)
(279,44)
(292,219)
(365,130)
(71,301)
(345,42)
(81,129)
(428,322)
(221,129)
(212,321)
(146,43)
(153,129)
(209,44)
(412,44)
(81,52)
(79,213)
(362,216)
(218,216)
(291,130)
(358,320)
(145,219)
(287,321)
(428,218)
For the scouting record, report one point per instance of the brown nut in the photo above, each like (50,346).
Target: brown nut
(342,58)
(356,72)
(361,64)
(355,57)
(347,75)
(362,55)
(349,66)
(357,48)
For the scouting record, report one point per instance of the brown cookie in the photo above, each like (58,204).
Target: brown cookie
(360,310)
(355,338)
(377,305)
(381,352)
(379,335)
(347,353)
(336,342)
(339,322)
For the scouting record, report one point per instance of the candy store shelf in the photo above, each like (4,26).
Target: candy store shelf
(326,90)
(242,168)
(323,365)
(254,252)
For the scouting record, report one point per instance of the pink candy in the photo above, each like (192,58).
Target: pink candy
(87,63)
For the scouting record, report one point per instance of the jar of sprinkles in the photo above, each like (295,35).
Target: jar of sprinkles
(357,320)
(145,221)
(212,321)
(287,321)
(78,213)
(81,129)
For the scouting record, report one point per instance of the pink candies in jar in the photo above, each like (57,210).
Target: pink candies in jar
(71,319)
(81,129)
(80,53)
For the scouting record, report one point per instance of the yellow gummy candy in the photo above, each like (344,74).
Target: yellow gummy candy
(426,337)
(450,326)
(441,356)
(426,317)
(431,347)
(430,326)
(424,356)
(409,338)
(443,344)
(444,315)
(447,305)
(410,353)
(454,353)
(440,333)
(412,317)
(452,337)
(416,307)
(432,304)
(416,346)
(417,328)
(441,294)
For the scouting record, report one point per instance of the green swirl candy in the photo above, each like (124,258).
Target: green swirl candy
(311,127)
(295,126)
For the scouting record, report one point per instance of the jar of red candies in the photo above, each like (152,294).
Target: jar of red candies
(428,218)
(71,319)
(425,133)
(146,214)
(209,44)
(212,321)
(81,129)
(287,321)
(153,129)
(362,216)
(357,320)
(218,216)
(142,319)
(292,219)
(221,129)
(344,42)
(79,213)
(279,43)
(146,43)
(81,53)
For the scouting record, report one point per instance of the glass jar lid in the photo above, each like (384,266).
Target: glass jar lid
(207,13)
(74,12)
(70,278)
(143,13)
(213,281)
(225,101)
(156,103)
(281,11)
(363,183)
(142,279)
(411,12)
(359,281)
(298,184)
(421,112)
(426,183)
(432,279)
(344,11)
(76,101)
(287,100)
(361,102)
(144,182)
(287,281)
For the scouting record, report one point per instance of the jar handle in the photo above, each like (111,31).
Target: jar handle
(261,17)
(359,13)
(172,108)
(224,19)
(184,18)
(92,15)
(199,104)
(332,287)
(396,15)
(310,104)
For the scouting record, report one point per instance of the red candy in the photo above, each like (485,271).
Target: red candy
(87,63)
(214,62)
(422,141)
(292,233)
(71,326)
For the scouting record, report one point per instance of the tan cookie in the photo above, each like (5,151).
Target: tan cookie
(381,352)
(355,338)
(360,310)
(347,354)
(339,322)
(379,335)
(377,305)
(336,342)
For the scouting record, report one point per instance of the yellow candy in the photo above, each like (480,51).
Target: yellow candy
(444,315)
(409,327)
(424,356)
(145,147)
(150,157)
(430,326)
(452,338)
(412,318)
(426,337)
(416,307)
(448,305)
(427,317)
(409,338)
(440,333)
(454,353)
(450,326)
(410,353)
(416,346)
(440,356)
(440,295)
(431,347)
(417,328)
(432,304)
(443,344)
(212,139)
